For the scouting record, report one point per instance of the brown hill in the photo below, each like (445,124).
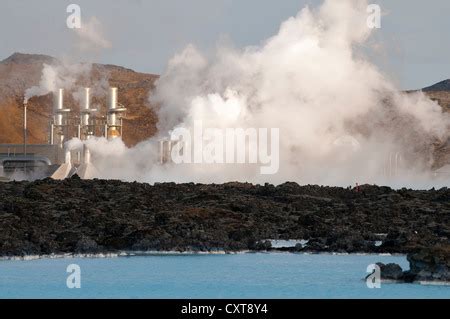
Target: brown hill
(21,71)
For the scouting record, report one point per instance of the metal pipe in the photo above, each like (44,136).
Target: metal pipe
(58,104)
(114,118)
(87,128)
(86,108)
(59,117)
(87,155)
(59,99)
(52,128)
(111,118)
(112,98)
(25,127)
(161,152)
(87,98)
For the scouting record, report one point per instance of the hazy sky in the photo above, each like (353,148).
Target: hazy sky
(145,33)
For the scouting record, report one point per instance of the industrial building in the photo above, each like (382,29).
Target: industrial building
(54,159)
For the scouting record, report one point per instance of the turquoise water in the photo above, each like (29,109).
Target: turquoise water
(274,275)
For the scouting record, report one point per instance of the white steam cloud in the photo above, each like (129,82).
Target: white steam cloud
(91,36)
(341,121)
(63,75)
(66,74)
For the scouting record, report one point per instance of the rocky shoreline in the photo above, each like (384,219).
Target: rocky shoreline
(429,265)
(97,216)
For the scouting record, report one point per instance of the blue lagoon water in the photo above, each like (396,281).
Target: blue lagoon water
(252,275)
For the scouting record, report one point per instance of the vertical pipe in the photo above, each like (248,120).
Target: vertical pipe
(113,98)
(59,99)
(161,152)
(25,128)
(52,128)
(58,104)
(85,123)
(113,116)
(87,155)
(87,102)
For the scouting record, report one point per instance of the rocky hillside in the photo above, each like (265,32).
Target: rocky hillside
(21,71)
(440,92)
(88,216)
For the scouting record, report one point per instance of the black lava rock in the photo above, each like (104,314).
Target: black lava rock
(88,216)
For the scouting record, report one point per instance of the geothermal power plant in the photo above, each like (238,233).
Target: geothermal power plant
(55,159)
(58,159)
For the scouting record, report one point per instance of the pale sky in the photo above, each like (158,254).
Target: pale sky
(145,34)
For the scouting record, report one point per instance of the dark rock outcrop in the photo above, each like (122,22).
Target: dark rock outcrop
(429,265)
(74,215)
(391,272)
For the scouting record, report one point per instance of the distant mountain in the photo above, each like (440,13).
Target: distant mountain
(24,58)
(441,86)
(21,71)
(440,92)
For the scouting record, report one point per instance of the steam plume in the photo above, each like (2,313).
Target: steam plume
(341,120)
